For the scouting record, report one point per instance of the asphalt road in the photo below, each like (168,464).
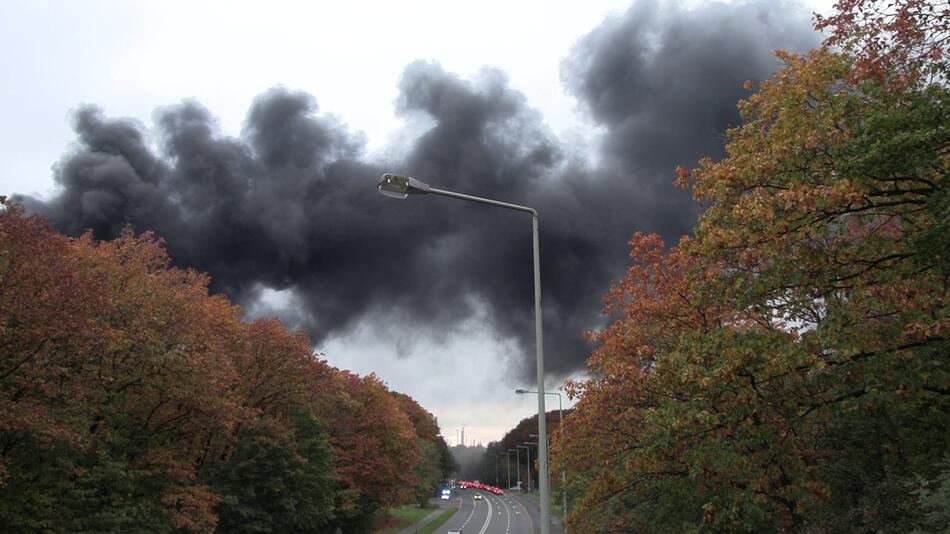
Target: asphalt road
(495,514)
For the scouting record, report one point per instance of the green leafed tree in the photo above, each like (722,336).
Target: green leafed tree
(277,482)
(784,369)
(427,471)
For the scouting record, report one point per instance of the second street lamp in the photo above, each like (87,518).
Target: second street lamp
(528,461)
(560,419)
(398,186)
(497,477)
(517,466)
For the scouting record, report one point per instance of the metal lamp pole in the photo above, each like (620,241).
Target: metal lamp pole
(518,468)
(529,444)
(508,466)
(560,419)
(496,469)
(398,186)
(528,452)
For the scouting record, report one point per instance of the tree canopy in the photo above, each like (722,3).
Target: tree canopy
(784,368)
(131,399)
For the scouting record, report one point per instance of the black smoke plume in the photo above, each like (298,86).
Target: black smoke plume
(291,204)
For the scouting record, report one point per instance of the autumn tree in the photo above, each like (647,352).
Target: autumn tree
(134,400)
(898,42)
(627,434)
(44,326)
(424,424)
(128,367)
(431,467)
(373,444)
(45,331)
(277,475)
(784,369)
(839,234)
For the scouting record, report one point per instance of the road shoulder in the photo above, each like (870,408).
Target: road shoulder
(411,529)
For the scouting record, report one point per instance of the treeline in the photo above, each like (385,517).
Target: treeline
(497,463)
(131,400)
(786,368)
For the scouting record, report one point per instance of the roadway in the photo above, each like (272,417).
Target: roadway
(495,514)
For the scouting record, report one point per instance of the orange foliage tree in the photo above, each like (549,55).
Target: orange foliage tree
(373,443)
(131,399)
(900,41)
(126,359)
(785,368)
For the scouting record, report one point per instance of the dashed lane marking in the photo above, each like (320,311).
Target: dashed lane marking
(508,513)
(470,514)
(530,521)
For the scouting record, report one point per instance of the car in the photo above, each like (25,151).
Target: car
(477,497)
(454,532)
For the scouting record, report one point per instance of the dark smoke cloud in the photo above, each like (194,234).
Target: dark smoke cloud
(290,204)
(664,83)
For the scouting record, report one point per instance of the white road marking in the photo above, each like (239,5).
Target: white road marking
(530,522)
(508,526)
(470,515)
(487,518)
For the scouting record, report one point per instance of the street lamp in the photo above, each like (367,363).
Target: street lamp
(518,465)
(528,451)
(560,419)
(496,467)
(397,186)
(560,411)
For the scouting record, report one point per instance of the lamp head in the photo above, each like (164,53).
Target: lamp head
(398,186)
(520,391)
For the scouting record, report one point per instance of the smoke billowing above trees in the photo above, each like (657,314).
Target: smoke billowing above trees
(289,204)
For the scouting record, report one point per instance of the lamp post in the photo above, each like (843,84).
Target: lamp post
(496,468)
(560,410)
(560,419)
(508,466)
(397,186)
(518,465)
(528,452)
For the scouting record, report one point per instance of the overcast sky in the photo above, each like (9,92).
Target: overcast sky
(251,138)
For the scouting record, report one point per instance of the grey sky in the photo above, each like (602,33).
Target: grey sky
(402,81)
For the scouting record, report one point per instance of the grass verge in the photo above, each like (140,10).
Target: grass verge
(437,523)
(554,508)
(403,516)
